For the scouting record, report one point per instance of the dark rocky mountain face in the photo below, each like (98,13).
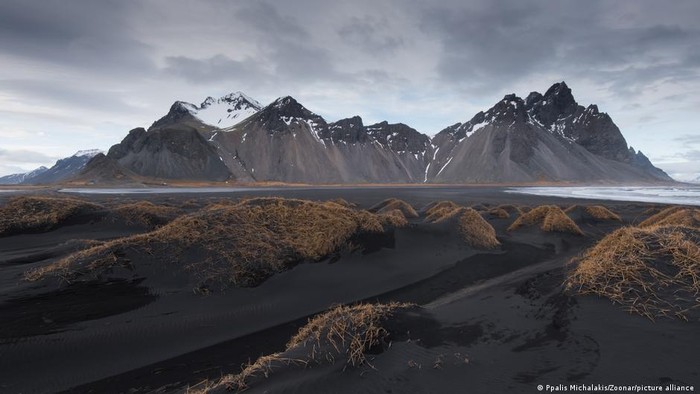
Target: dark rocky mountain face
(399,137)
(558,112)
(287,142)
(106,170)
(349,130)
(174,152)
(546,137)
(179,113)
(542,138)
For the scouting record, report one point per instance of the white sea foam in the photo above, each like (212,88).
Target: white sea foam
(681,195)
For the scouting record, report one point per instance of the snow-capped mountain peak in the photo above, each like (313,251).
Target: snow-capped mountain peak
(88,153)
(225,111)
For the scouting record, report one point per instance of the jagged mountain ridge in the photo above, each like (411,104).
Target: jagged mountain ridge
(542,138)
(546,137)
(285,141)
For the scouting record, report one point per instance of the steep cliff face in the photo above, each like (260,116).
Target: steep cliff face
(173,152)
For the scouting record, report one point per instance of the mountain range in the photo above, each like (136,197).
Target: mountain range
(543,138)
(63,170)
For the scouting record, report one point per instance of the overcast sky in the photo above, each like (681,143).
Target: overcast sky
(80,74)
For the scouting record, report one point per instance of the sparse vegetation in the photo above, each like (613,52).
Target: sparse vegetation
(38,214)
(435,210)
(674,216)
(146,213)
(475,230)
(343,202)
(592,212)
(652,271)
(395,218)
(240,244)
(511,209)
(549,218)
(344,333)
(499,213)
(394,203)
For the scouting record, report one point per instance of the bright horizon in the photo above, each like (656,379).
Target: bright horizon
(78,75)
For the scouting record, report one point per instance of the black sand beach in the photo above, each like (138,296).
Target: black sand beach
(486,321)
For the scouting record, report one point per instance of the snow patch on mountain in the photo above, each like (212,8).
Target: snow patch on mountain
(226,111)
(88,153)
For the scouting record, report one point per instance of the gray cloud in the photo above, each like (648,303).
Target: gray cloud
(692,139)
(692,155)
(48,92)
(495,44)
(24,156)
(84,34)
(371,35)
(215,69)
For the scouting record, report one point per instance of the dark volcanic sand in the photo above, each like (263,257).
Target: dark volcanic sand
(502,311)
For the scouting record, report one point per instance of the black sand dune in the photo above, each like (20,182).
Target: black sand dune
(485,320)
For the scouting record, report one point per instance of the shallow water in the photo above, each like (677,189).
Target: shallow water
(681,195)
(158,190)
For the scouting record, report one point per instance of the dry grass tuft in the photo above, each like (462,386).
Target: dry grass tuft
(436,210)
(499,213)
(511,209)
(549,218)
(240,244)
(146,213)
(394,203)
(651,271)
(675,216)
(594,212)
(343,202)
(476,231)
(342,333)
(38,214)
(394,218)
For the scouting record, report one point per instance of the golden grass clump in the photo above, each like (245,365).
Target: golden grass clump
(651,271)
(343,202)
(146,213)
(674,216)
(242,244)
(499,213)
(394,218)
(37,214)
(511,209)
(594,212)
(436,210)
(393,203)
(476,231)
(549,218)
(342,333)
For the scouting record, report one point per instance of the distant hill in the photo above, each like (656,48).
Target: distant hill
(64,169)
